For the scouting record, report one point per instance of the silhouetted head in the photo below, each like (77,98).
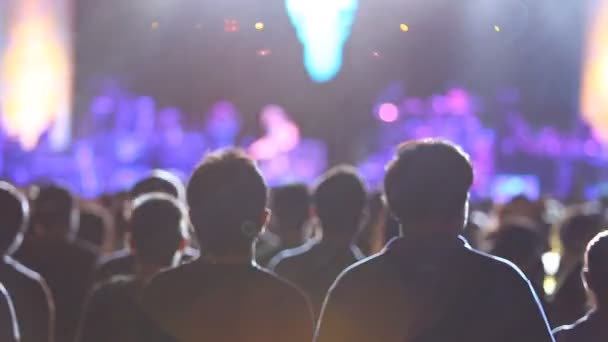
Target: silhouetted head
(159,181)
(427,185)
(291,206)
(518,243)
(227,201)
(595,272)
(14,219)
(577,230)
(340,200)
(54,213)
(159,228)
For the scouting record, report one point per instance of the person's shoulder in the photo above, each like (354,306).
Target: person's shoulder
(368,269)
(290,256)
(490,265)
(570,332)
(23,272)
(113,258)
(167,281)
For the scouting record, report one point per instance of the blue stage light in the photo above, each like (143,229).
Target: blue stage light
(323,28)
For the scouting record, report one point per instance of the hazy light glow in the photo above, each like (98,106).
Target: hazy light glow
(323,27)
(35,72)
(594,96)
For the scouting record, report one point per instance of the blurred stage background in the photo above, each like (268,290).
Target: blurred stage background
(96,93)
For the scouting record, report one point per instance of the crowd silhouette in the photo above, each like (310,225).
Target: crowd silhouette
(225,258)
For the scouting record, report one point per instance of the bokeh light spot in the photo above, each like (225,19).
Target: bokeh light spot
(404,27)
(388,112)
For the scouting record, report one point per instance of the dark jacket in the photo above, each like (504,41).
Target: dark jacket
(202,301)
(32,299)
(439,289)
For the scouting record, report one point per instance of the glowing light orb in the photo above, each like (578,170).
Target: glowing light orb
(35,72)
(388,112)
(323,28)
(404,27)
(594,91)
(497,28)
(259,26)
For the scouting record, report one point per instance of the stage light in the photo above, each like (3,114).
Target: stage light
(497,28)
(260,26)
(323,27)
(594,90)
(388,112)
(35,72)
(404,27)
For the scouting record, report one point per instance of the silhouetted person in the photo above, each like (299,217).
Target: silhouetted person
(429,285)
(159,231)
(51,249)
(522,245)
(570,300)
(291,211)
(9,328)
(223,296)
(95,224)
(29,291)
(340,200)
(592,327)
(122,262)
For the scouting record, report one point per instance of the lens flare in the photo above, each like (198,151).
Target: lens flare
(35,71)
(594,96)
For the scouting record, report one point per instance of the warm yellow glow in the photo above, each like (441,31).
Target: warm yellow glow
(404,27)
(594,97)
(259,26)
(496,28)
(35,70)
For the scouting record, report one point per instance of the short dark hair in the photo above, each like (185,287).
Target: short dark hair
(159,181)
(596,266)
(291,204)
(158,227)
(14,219)
(428,180)
(340,198)
(225,193)
(54,208)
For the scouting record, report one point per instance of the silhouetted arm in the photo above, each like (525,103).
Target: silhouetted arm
(9,330)
(528,317)
(45,321)
(338,321)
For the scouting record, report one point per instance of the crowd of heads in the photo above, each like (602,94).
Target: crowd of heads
(226,205)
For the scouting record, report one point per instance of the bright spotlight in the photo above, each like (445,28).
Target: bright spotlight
(323,27)
(497,28)
(36,73)
(259,26)
(404,27)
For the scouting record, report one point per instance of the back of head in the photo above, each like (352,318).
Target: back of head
(519,244)
(577,230)
(227,201)
(159,181)
(14,218)
(54,213)
(340,199)
(428,181)
(290,206)
(158,228)
(596,268)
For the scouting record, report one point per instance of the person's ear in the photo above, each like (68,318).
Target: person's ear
(131,243)
(586,277)
(265,217)
(183,244)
